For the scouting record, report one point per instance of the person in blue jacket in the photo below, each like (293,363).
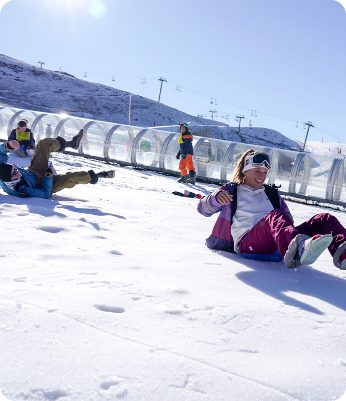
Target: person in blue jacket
(39,179)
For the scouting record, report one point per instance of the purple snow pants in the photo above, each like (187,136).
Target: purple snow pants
(275,232)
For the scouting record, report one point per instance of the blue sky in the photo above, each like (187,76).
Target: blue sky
(286,60)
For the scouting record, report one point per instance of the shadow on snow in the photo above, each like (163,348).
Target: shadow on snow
(275,280)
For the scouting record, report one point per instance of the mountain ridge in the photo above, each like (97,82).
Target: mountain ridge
(26,86)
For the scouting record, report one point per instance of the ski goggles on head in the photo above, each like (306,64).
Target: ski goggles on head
(257,160)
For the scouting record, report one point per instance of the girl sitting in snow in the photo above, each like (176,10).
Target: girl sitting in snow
(254,219)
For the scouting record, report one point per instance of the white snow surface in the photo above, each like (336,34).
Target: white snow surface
(328,149)
(108,292)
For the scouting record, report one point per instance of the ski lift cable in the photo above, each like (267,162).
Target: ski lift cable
(105,74)
(239,105)
(329,133)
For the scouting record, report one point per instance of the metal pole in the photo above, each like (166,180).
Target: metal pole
(162,81)
(160,91)
(130,110)
(309,124)
(239,118)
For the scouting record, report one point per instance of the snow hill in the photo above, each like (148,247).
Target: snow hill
(329,149)
(108,292)
(25,86)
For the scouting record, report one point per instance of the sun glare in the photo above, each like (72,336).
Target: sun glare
(72,6)
(97,9)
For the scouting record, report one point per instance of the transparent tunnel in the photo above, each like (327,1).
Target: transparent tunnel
(68,127)
(118,144)
(297,173)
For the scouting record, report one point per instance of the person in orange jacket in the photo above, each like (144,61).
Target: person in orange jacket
(186,152)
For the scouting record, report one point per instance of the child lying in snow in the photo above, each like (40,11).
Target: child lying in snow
(39,179)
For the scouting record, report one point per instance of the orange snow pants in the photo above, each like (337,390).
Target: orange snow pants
(186,163)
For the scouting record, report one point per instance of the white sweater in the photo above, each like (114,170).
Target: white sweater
(252,206)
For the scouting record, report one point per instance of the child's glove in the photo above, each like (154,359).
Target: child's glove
(183,155)
(178,155)
(10,145)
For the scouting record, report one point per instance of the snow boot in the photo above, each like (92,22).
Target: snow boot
(310,249)
(19,152)
(106,174)
(183,179)
(192,178)
(343,261)
(75,142)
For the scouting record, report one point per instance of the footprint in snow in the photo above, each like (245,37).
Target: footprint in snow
(117,253)
(20,279)
(108,384)
(43,394)
(109,308)
(52,230)
(178,291)
(115,387)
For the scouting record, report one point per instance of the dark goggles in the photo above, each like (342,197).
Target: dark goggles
(258,160)
(261,158)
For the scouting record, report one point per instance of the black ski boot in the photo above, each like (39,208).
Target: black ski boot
(106,174)
(192,178)
(75,142)
(103,174)
(183,179)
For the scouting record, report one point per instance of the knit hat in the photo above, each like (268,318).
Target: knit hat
(186,125)
(5,172)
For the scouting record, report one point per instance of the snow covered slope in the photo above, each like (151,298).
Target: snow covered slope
(25,86)
(108,292)
(329,149)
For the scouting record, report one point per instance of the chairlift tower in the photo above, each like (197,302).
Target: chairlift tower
(42,63)
(239,118)
(309,124)
(212,113)
(162,81)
